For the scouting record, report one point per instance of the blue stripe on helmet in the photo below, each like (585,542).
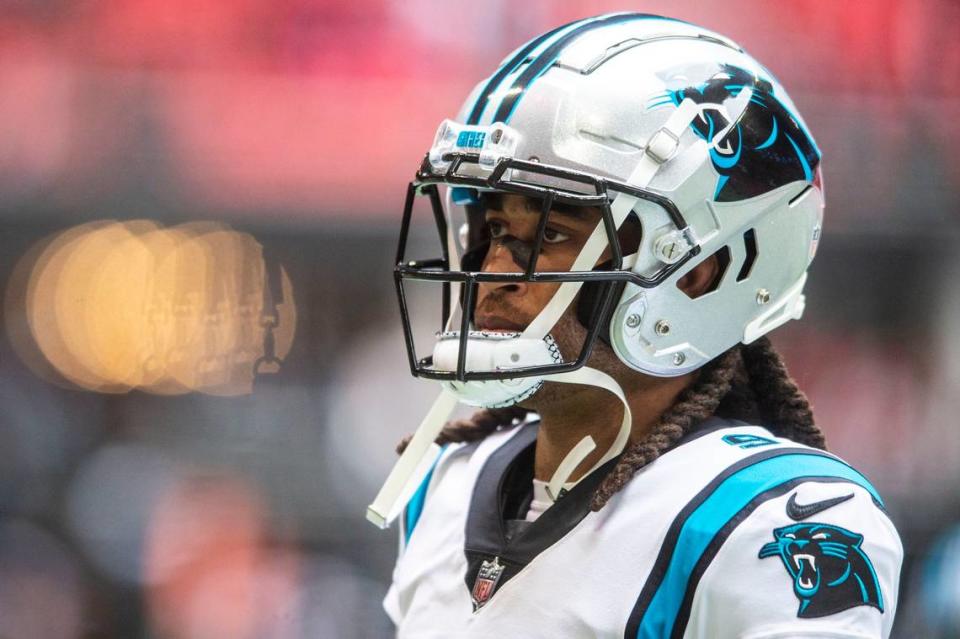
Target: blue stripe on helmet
(549,55)
(532,48)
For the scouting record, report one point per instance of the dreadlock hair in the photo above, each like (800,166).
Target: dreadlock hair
(480,424)
(748,382)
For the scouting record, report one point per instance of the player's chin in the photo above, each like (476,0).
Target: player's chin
(550,394)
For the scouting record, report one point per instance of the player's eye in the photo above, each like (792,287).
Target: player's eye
(821,536)
(496,229)
(553,236)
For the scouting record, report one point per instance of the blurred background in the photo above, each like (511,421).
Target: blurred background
(202,376)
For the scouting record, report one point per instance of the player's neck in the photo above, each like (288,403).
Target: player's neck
(571,416)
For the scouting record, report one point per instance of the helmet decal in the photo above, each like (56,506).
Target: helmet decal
(766,148)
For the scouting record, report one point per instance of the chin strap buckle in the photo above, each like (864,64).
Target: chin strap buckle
(663,145)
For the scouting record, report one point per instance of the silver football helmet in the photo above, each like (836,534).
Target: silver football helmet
(642,115)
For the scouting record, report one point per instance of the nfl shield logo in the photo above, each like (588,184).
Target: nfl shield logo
(486,583)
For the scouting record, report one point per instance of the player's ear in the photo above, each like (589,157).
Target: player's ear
(701,279)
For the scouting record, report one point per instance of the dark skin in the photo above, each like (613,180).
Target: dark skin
(570,412)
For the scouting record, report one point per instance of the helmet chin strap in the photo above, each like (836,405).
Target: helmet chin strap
(589,377)
(410,469)
(413,464)
(453,256)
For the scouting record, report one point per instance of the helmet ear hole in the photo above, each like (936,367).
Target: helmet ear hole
(705,278)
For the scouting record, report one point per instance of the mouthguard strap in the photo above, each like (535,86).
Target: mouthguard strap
(410,468)
(404,478)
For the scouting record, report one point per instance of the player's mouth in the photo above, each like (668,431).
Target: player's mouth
(495,323)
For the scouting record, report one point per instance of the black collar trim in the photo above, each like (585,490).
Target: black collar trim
(486,532)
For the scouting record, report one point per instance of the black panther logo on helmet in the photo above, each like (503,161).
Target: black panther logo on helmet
(829,569)
(765,148)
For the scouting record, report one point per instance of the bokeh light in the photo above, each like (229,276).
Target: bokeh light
(113,306)
(204,550)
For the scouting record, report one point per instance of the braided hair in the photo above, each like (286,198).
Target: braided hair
(477,427)
(748,382)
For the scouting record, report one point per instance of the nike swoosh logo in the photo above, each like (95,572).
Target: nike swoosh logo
(799,512)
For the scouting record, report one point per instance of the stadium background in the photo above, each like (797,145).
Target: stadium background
(129,512)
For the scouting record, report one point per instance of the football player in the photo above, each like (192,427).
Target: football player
(626,208)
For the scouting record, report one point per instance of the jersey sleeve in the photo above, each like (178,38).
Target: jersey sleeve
(407,523)
(817,557)
(431,540)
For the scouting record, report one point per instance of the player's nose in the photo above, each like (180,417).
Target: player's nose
(508,255)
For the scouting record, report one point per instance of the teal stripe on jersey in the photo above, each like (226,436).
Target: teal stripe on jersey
(415,505)
(703,524)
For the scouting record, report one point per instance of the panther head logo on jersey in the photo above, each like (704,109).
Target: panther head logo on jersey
(774,139)
(829,569)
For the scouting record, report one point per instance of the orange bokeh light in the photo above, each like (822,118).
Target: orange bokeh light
(111,306)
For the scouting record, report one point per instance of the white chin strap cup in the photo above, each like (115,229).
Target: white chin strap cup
(489,351)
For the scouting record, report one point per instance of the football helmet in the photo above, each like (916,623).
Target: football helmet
(647,119)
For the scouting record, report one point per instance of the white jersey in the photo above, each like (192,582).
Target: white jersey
(734,533)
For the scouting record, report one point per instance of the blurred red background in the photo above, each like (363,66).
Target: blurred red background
(321,108)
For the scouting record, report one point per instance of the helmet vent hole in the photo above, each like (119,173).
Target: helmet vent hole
(750,244)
